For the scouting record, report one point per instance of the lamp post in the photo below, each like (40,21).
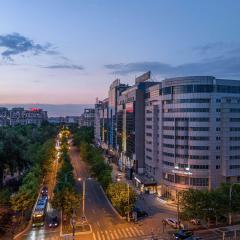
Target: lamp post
(128,193)
(230,203)
(83,197)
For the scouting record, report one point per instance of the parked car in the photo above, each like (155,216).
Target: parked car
(183,234)
(195,221)
(140,213)
(54,222)
(44,191)
(173,223)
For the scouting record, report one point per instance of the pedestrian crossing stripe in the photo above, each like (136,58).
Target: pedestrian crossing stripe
(119,233)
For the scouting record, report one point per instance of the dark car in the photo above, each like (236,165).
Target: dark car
(44,191)
(183,234)
(53,222)
(140,213)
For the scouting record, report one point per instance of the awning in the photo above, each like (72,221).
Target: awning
(145,180)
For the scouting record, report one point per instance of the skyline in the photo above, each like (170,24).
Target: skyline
(60,53)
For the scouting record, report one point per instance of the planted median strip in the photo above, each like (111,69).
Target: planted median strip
(65,199)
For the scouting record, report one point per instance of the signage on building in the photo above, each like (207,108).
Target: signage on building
(129,107)
(143,77)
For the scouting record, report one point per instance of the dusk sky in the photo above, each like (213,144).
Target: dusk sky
(69,51)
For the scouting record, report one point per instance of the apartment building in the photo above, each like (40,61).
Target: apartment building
(87,118)
(20,116)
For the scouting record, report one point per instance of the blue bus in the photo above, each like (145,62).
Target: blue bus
(39,212)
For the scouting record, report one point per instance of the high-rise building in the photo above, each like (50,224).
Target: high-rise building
(87,118)
(198,134)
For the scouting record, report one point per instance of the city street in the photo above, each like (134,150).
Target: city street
(105,223)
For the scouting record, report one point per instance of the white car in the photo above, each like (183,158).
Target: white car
(173,222)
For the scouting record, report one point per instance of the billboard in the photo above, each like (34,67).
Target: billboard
(129,107)
(143,77)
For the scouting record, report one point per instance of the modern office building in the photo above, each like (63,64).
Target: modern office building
(198,128)
(131,125)
(87,118)
(177,134)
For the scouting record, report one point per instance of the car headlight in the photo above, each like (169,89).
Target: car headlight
(50,225)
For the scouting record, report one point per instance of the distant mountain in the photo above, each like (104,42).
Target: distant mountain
(55,110)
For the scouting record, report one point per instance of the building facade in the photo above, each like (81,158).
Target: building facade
(20,116)
(176,134)
(87,118)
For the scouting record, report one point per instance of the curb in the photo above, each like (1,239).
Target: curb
(23,231)
(110,204)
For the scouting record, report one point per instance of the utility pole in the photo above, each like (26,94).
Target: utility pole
(178,217)
(83,204)
(128,202)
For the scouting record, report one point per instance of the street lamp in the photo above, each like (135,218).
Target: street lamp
(230,203)
(83,196)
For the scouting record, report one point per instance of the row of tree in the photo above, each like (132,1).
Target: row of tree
(65,196)
(210,205)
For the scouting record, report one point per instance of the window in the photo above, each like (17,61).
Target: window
(218,119)
(218,100)
(235,129)
(217,157)
(199,166)
(199,181)
(234,157)
(234,147)
(217,166)
(235,110)
(218,138)
(186,110)
(218,129)
(234,138)
(218,110)
(234,166)
(234,119)
(218,147)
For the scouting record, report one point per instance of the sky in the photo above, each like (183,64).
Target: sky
(69,51)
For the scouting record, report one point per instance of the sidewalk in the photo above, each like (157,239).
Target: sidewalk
(150,200)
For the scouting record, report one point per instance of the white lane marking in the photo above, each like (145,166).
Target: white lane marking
(108,238)
(98,235)
(115,234)
(128,232)
(132,231)
(94,237)
(138,232)
(103,237)
(111,234)
(141,231)
(124,233)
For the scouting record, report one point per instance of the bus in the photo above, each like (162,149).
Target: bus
(39,212)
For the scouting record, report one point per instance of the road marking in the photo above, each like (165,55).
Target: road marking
(107,236)
(128,232)
(103,237)
(115,234)
(124,233)
(111,234)
(99,235)
(132,230)
(138,232)
(94,237)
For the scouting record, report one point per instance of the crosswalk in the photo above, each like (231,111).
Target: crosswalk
(118,233)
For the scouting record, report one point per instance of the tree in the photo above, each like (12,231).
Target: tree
(118,194)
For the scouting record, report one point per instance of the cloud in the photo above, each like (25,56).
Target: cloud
(65,66)
(16,44)
(224,62)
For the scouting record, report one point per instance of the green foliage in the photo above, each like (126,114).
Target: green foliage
(101,170)
(209,204)
(65,196)
(83,134)
(118,194)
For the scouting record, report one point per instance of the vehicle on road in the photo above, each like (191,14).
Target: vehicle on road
(140,213)
(195,221)
(173,223)
(183,234)
(54,222)
(39,212)
(44,191)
